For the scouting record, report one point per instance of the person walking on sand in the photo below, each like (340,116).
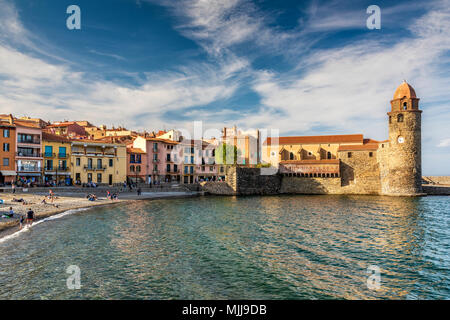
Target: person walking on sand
(139,191)
(30,216)
(50,195)
(13,187)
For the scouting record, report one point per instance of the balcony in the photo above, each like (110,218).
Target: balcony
(49,155)
(26,141)
(62,155)
(155,160)
(28,169)
(29,155)
(94,168)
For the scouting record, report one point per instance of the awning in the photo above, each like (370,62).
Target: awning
(28,174)
(8,172)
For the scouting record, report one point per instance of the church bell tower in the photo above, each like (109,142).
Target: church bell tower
(405,145)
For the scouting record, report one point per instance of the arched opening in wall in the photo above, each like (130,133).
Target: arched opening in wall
(328,175)
(328,155)
(291,156)
(405,106)
(400,118)
(390,119)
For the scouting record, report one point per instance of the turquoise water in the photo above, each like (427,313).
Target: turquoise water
(280,247)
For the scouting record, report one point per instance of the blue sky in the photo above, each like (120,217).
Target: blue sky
(302,67)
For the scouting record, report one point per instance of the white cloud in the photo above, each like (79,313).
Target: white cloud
(444,143)
(32,86)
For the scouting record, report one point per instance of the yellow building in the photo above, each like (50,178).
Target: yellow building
(98,162)
(56,152)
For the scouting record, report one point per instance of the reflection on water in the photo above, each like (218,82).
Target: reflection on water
(281,247)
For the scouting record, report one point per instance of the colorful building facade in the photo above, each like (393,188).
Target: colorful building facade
(7,151)
(98,162)
(29,160)
(56,151)
(163,159)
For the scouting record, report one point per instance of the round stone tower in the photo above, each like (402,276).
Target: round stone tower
(405,145)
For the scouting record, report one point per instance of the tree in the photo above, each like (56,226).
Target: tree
(226,154)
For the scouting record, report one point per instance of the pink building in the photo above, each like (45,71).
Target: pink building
(137,165)
(163,159)
(206,168)
(28,151)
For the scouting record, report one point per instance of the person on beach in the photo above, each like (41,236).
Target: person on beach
(50,195)
(30,216)
(108,195)
(139,191)
(13,187)
(22,219)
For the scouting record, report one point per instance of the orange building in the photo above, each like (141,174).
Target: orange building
(7,151)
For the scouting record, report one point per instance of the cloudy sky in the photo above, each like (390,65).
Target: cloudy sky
(303,67)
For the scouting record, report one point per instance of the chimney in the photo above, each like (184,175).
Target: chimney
(11,119)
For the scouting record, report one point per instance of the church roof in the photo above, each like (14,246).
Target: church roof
(346,138)
(404,90)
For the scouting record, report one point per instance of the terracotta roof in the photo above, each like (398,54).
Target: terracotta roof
(324,161)
(135,150)
(367,146)
(54,137)
(26,123)
(404,90)
(61,124)
(6,124)
(160,140)
(347,138)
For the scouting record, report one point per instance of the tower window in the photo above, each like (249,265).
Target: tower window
(405,105)
(371,154)
(291,156)
(328,155)
(400,118)
(390,119)
(349,155)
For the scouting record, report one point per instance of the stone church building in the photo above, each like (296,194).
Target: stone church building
(352,164)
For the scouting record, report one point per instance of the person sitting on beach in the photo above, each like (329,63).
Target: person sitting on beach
(30,216)
(8,215)
(115,196)
(17,200)
(43,201)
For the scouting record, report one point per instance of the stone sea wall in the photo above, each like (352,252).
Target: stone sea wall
(356,178)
